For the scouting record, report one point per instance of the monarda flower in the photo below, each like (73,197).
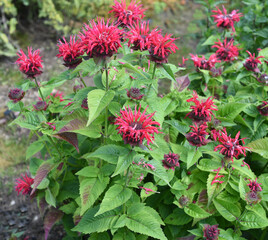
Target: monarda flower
(227,51)
(101,39)
(225,20)
(56,96)
(253,197)
(251,63)
(23,185)
(183,64)
(70,51)
(254,186)
(161,47)
(202,110)
(203,63)
(30,65)
(197,137)
(127,15)
(16,94)
(84,104)
(230,147)
(171,161)
(211,232)
(263,79)
(77,87)
(183,201)
(263,108)
(134,93)
(40,106)
(135,127)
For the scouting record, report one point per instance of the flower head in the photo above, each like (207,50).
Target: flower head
(197,136)
(171,161)
(84,104)
(23,185)
(263,79)
(251,63)
(56,96)
(216,72)
(16,94)
(77,87)
(253,197)
(134,93)
(254,186)
(225,20)
(211,232)
(183,201)
(101,39)
(263,108)
(31,64)
(160,47)
(136,126)
(203,63)
(183,64)
(230,147)
(202,110)
(70,51)
(40,106)
(127,15)
(227,51)
(148,190)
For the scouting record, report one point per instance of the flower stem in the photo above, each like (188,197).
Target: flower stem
(55,145)
(40,92)
(82,80)
(155,65)
(39,137)
(106,109)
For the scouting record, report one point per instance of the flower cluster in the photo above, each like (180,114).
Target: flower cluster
(144,165)
(135,93)
(211,232)
(263,108)
(251,63)
(16,94)
(203,63)
(40,106)
(253,196)
(135,127)
(24,184)
(198,135)
(171,161)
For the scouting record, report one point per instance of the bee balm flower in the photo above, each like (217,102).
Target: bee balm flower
(251,63)
(23,185)
(263,108)
(16,94)
(197,136)
(171,161)
(211,232)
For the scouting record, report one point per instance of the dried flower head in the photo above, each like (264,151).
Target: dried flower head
(160,47)
(171,161)
(202,110)
(251,63)
(40,106)
(197,137)
(211,232)
(127,15)
(23,185)
(263,108)
(230,147)
(16,94)
(84,104)
(216,72)
(225,20)
(253,197)
(254,186)
(70,51)
(101,39)
(135,127)
(263,79)
(203,63)
(134,93)
(77,87)
(227,51)
(183,201)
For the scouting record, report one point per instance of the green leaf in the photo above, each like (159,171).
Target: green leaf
(124,234)
(123,162)
(97,100)
(88,67)
(242,188)
(180,126)
(244,171)
(90,190)
(192,157)
(88,171)
(178,218)
(228,210)
(144,220)
(91,223)
(259,146)
(50,199)
(110,153)
(116,196)
(209,165)
(230,110)
(195,211)
(99,236)
(211,40)
(168,72)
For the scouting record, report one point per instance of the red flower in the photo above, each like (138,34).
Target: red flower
(254,186)
(202,110)
(138,35)
(230,146)
(171,161)
(30,65)
(203,63)
(127,15)
(148,190)
(101,39)
(23,184)
(16,94)
(227,51)
(51,125)
(183,65)
(160,47)
(134,93)
(215,179)
(71,52)
(263,108)
(40,106)
(84,104)
(56,95)
(211,232)
(197,136)
(251,63)
(136,126)
(225,20)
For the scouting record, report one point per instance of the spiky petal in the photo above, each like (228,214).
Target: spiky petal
(254,186)
(263,108)
(197,137)
(203,63)
(23,184)
(251,63)
(171,161)
(134,93)
(40,106)
(16,94)
(211,232)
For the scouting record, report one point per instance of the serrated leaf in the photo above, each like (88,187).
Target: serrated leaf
(116,196)
(88,67)
(168,72)
(244,171)
(192,157)
(99,236)
(228,210)
(52,216)
(209,165)
(178,218)
(97,100)
(242,188)
(180,126)
(259,146)
(89,171)
(230,110)
(123,162)
(211,40)
(195,211)
(34,148)
(69,137)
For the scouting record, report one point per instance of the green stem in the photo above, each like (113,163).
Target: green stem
(55,145)
(106,109)
(82,80)
(40,92)
(155,65)
(39,137)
